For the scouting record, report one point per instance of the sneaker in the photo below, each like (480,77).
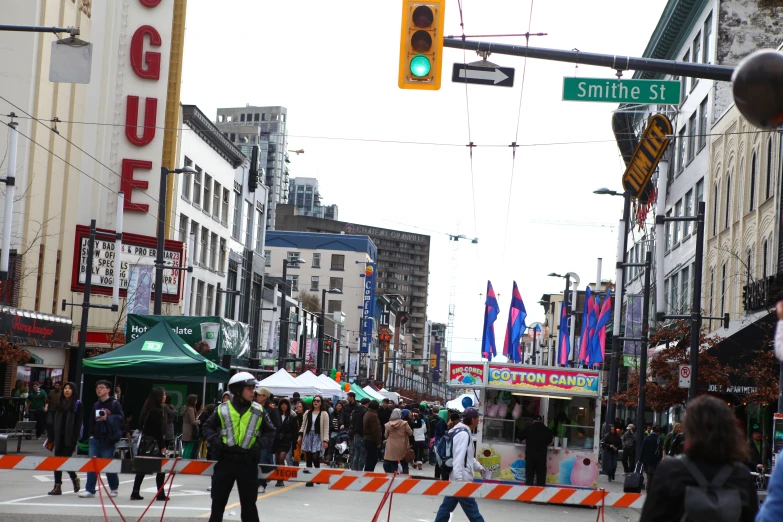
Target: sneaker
(309,485)
(114,493)
(279,484)
(86,494)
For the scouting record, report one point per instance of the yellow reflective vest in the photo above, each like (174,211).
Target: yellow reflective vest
(240,430)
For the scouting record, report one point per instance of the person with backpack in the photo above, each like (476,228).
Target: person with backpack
(652,452)
(106,428)
(459,442)
(537,437)
(64,432)
(709,482)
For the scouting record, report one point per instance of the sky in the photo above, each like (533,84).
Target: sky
(334,66)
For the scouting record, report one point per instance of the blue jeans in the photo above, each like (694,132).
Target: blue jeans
(469,506)
(102,450)
(357,462)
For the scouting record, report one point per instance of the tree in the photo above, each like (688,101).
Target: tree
(10,352)
(310,302)
(662,390)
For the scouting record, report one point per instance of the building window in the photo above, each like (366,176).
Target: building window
(259,230)
(293,281)
(231,284)
(668,232)
(267,258)
(199,296)
(692,137)
(684,280)
(723,290)
(336,283)
(712,292)
(696,56)
(314,283)
(237,226)
(255,117)
(768,180)
(194,233)
(213,245)
(681,149)
(715,210)
(338,262)
(749,264)
(183,227)
(248,224)
(210,297)
(207,192)
(222,254)
(204,245)
(676,224)
(197,187)
(673,297)
(316,260)
(684,86)
(187,179)
(699,195)
(224,207)
(241,117)
(728,202)
(703,123)
(688,212)
(752,196)
(666,291)
(334,306)
(216,193)
(292,257)
(707,49)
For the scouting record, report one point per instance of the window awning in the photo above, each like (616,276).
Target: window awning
(34,360)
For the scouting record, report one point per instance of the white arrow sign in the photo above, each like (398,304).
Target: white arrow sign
(494,75)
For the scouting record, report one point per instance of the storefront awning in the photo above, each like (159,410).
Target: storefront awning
(34,360)
(44,357)
(29,328)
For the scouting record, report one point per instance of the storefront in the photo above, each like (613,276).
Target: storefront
(46,337)
(510,395)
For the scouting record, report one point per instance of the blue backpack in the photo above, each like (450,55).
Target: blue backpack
(444,453)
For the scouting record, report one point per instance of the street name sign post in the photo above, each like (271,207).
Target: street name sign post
(643,92)
(479,75)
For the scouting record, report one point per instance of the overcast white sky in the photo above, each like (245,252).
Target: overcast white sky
(334,66)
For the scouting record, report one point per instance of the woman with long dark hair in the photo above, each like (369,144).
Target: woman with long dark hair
(64,432)
(334,425)
(284,438)
(152,423)
(314,433)
(189,427)
(715,451)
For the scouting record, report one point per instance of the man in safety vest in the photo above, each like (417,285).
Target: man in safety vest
(236,432)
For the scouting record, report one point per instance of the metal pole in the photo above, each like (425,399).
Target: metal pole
(693,392)
(660,238)
(10,193)
(559,333)
(622,247)
(282,350)
(319,361)
(73,31)
(161,231)
(78,375)
(218,293)
(188,286)
(643,359)
(115,294)
(619,63)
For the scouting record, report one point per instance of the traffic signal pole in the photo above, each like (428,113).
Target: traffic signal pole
(720,73)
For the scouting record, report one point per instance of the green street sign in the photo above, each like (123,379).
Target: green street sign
(646,92)
(413,363)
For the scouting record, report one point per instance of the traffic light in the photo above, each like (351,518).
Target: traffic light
(421,44)
(252,180)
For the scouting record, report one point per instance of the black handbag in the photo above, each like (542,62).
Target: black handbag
(148,447)
(634,482)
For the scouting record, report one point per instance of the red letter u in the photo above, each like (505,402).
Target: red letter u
(132,118)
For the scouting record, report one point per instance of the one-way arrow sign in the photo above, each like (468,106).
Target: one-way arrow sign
(498,76)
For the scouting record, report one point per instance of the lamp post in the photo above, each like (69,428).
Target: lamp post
(322,327)
(622,247)
(536,327)
(568,278)
(282,349)
(164,172)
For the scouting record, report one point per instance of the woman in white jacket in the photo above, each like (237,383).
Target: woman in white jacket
(464,466)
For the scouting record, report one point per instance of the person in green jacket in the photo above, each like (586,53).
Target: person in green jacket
(36,406)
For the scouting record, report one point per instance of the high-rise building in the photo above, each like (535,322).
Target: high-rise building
(402,264)
(303,193)
(265,127)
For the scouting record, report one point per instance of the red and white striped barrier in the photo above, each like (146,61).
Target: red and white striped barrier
(338,479)
(548,495)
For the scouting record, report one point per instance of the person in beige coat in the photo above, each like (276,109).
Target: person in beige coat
(397,433)
(314,434)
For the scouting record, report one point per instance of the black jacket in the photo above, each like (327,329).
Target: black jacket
(384,414)
(154,425)
(666,497)
(357,420)
(347,412)
(286,433)
(612,439)
(101,430)
(648,457)
(537,437)
(334,421)
(66,428)
(274,415)
(211,431)
(755,456)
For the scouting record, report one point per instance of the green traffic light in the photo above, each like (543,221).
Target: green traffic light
(420,65)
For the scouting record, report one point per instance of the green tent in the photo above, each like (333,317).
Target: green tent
(360,393)
(158,354)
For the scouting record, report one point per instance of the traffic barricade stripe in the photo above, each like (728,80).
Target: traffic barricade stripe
(51,463)
(497,492)
(467,490)
(529,493)
(10,461)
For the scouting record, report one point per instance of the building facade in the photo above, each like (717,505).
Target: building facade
(266,127)
(303,193)
(402,264)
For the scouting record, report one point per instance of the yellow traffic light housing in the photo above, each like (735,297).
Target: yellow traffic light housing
(421,44)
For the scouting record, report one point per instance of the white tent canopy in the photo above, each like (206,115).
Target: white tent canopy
(456,404)
(374,394)
(332,386)
(390,395)
(281,383)
(309,379)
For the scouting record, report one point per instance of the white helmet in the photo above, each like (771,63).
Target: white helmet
(242,379)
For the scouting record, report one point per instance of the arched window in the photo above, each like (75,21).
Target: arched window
(722,289)
(764,260)
(752,195)
(712,291)
(749,265)
(768,181)
(715,217)
(728,203)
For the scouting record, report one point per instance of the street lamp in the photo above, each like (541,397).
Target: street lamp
(603,191)
(283,348)
(568,277)
(321,331)
(164,172)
